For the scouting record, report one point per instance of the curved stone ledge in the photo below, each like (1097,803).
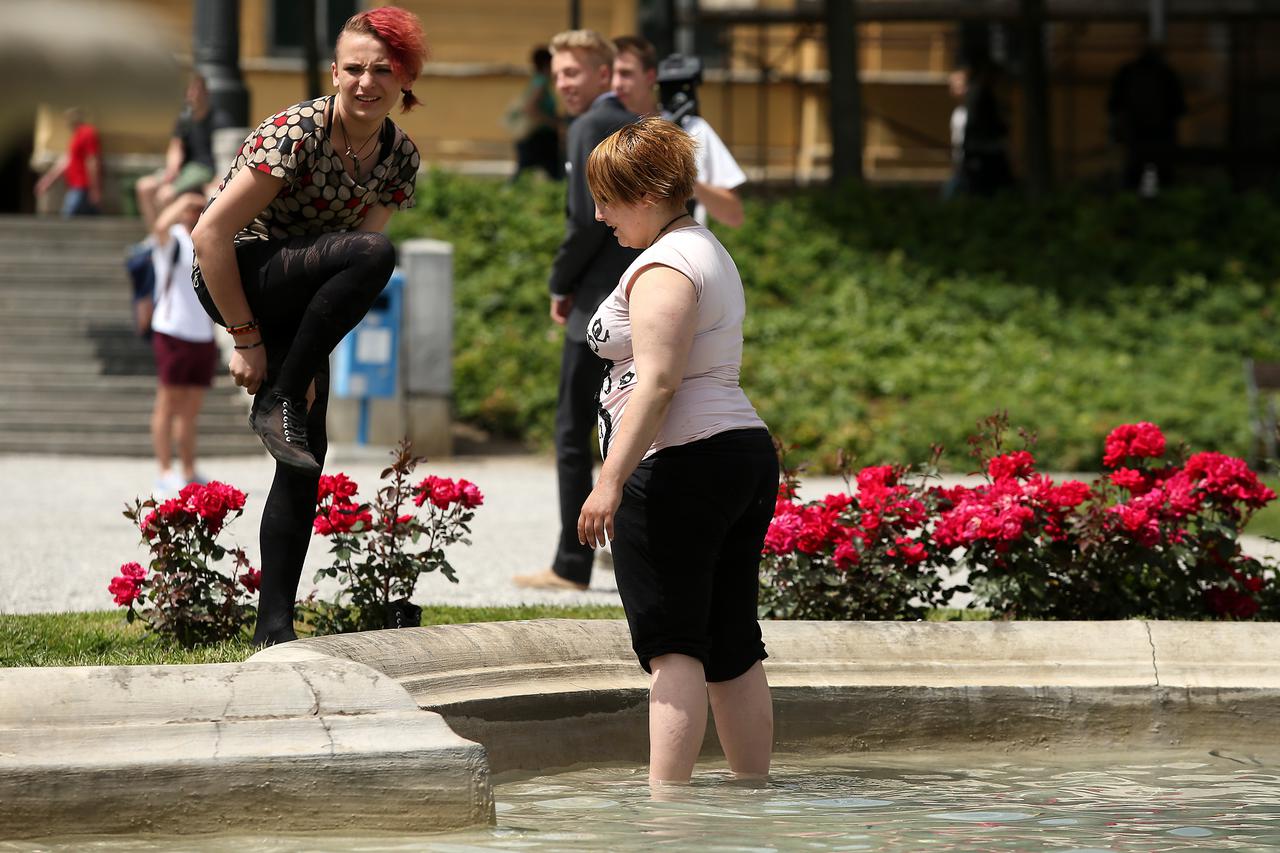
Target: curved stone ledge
(553,693)
(281,747)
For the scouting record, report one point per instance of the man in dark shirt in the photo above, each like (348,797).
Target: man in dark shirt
(586,269)
(188,161)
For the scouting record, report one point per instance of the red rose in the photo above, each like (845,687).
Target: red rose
(1134,481)
(837,503)
(783,532)
(172,510)
(252,579)
(816,530)
(1141,440)
(444,492)
(424,489)
(126,588)
(339,485)
(846,556)
(909,550)
(1010,466)
(469,494)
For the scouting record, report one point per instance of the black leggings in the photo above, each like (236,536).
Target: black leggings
(307,293)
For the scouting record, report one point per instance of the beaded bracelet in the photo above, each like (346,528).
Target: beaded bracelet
(248,346)
(243,328)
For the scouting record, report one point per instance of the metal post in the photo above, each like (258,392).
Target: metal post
(575,14)
(844,92)
(686,21)
(216,46)
(310,51)
(1157,27)
(1035,97)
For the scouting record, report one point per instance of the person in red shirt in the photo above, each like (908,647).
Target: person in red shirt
(80,168)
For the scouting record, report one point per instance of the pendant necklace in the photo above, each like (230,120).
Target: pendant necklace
(356,155)
(664,228)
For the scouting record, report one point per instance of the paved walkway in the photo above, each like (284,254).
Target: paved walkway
(64,537)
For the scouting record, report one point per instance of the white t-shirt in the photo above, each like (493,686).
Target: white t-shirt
(178,312)
(959,118)
(716,165)
(709,400)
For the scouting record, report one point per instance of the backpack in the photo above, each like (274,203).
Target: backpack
(142,277)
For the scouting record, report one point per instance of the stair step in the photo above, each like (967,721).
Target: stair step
(90,225)
(107,383)
(74,377)
(43,349)
(26,421)
(45,299)
(51,405)
(40,312)
(82,277)
(33,261)
(119,444)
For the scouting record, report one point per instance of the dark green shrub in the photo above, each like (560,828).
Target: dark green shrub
(884,321)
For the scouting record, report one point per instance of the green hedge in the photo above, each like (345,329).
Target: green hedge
(883,322)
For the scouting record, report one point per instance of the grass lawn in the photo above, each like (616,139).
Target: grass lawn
(103,638)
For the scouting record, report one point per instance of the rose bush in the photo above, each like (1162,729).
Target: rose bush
(1157,536)
(381,548)
(183,594)
(854,555)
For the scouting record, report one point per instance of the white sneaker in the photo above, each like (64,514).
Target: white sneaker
(168,485)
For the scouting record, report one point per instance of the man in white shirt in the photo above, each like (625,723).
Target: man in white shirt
(635,77)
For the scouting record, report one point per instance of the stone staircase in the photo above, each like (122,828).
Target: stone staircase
(73,376)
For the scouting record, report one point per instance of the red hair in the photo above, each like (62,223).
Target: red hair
(401,32)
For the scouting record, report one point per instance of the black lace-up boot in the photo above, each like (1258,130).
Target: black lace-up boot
(281,423)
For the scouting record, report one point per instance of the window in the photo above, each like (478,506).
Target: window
(286,25)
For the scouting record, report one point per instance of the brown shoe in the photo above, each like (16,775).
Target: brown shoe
(547,579)
(282,425)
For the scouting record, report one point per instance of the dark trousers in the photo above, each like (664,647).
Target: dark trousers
(306,293)
(540,150)
(580,373)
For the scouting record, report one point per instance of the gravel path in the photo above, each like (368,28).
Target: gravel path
(65,538)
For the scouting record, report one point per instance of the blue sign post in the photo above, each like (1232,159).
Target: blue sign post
(366,362)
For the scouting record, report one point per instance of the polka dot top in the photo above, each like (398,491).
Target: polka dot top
(319,196)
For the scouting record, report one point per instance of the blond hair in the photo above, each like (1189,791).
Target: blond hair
(594,46)
(650,157)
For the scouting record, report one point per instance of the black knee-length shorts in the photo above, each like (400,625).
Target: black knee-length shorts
(686,550)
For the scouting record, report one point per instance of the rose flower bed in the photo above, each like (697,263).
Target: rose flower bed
(1155,537)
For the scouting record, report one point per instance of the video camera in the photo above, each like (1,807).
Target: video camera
(678,79)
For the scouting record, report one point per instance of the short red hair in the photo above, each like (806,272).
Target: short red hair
(401,32)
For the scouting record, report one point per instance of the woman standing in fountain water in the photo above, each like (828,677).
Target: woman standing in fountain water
(690,477)
(290,256)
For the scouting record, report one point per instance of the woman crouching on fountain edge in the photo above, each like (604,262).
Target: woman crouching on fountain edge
(690,476)
(290,257)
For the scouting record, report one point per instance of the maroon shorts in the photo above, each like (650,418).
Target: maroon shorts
(180,362)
